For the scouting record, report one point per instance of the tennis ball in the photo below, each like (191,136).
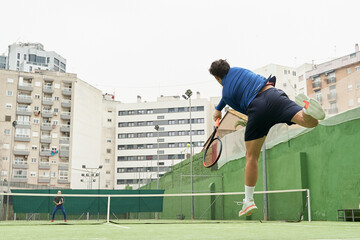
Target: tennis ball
(188,145)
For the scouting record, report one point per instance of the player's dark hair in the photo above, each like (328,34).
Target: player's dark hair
(219,68)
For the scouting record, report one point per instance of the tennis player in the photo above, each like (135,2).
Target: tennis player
(265,106)
(59,204)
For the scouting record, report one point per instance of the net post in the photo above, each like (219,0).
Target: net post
(308,203)
(108,210)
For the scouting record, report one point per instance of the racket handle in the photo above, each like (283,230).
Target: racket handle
(217,122)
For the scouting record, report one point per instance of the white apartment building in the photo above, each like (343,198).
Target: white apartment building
(28,57)
(3,60)
(291,80)
(70,135)
(141,149)
(63,123)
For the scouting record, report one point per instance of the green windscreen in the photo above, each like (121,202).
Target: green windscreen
(96,204)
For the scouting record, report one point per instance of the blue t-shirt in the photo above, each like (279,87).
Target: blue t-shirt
(240,87)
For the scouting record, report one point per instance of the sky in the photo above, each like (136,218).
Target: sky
(164,47)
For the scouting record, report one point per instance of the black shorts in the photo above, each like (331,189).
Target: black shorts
(267,109)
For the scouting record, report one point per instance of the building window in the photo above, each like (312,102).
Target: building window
(350,87)
(172,133)
(351,102)
(7,118)
(9,93)
(63,175)
(56,98)
(149,123)
(33,160)
(348,70)
(293,73)
(107,160)
(149,146)
(7,131)
(170,110)
(109,120)
(171,122)
(171,145)
(149,111)
(108,172)
(18,56)
(8,106)
(37,96)
(108,150)
(9,80)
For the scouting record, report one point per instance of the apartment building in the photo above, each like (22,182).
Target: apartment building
(28,57)
(336,84)
(3,60)
(65,129)
(289,79)
(154,136)
(36,127)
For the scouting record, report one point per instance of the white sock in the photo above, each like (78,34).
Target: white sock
(249,193)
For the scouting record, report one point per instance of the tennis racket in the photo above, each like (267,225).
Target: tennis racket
(213,148)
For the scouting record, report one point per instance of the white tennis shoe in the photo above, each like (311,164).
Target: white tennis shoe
(248,208)
(311,106)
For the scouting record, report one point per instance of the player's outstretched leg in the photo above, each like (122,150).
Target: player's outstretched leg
(311,106)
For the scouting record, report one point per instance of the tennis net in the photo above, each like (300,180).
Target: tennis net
(288,205)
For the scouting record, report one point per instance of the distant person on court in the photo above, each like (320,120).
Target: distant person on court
(59,204)
(265,106)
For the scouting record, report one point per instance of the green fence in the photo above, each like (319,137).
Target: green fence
(92,205)
(325,160)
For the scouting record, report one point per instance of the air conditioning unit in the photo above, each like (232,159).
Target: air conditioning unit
(55,113)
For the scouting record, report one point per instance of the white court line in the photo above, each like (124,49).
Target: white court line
(117,225)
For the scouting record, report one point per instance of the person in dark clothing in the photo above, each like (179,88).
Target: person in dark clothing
(59,204)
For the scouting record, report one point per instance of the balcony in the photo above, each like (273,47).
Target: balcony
(44,165)
(66,103)
(21,151)
(47,79)
(65,181)
(45,139)
(64,140)
(20,165)
(25,87)
(66,91)
(64,151)
(24,99)
(47,101)
(22,138)
(65,128)
(22,124)
(23,111)
(47,113)
(331,80)
(19,178)
(44,180)
(45,152)
(46,127)
(63,166)
(331,96)
(333,110)
(65,115)
(48,89)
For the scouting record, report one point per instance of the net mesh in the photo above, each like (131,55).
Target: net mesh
(281,205)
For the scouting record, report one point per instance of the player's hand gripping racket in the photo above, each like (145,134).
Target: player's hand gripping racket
(213,148)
